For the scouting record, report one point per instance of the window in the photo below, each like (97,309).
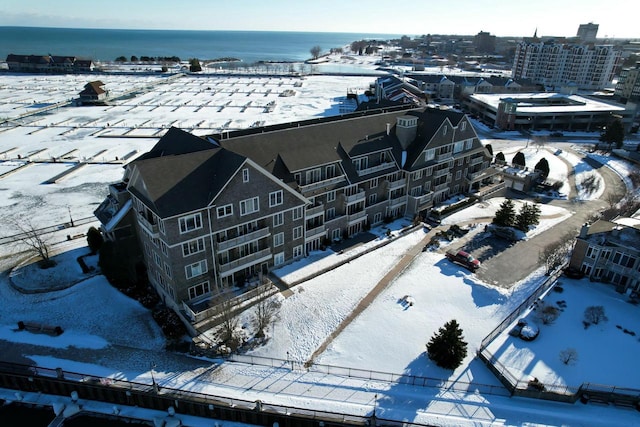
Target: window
(249,206)
(458,175)
(161,225)
(190,223)
(297,251)
(297,233)
(275,198)
(592,252)
(416,191)
(313,176)
(331,213)
(278,219)
(373,183)
(199,289)
(330,171)
(297,213)
(167,269)
(460,162)
(331,196)
(430,154)
(278,240)
(458,146)
(468,144)
(360,163)
(164,248)
(226,210)
(157,259)
(463,126)
(196,269)
(373,198)
(427,186)
(192,247)
(278,259)
(245,175)
(444,130)
(416,175)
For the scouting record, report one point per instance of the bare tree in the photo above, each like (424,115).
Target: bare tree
(265,310)
(34,241)
(547,313)
(594,314)
(569,356)
(315,51)
(555,254)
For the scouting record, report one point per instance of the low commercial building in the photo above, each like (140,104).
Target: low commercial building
(551,111)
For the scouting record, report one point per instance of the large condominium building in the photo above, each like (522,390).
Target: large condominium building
(588,66)
(628,86)
(212,213)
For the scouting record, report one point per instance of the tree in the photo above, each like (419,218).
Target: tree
(555,254)
(34,241)
(134,58)
(506,214)
(547,313)
(121,59)
(543,167)
(500,158)
(194,65)
(358,46)
(518,160)
(569,356)
(315,51)
(94,239)
(489,148)
(594,314)
(447,347)
(265,309)
(613,134)
(529,215)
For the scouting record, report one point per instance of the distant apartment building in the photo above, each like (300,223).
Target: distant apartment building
(48,64)
(213,213)
(587,32)
(484,42)
(628,86)
(590,67)
(609,252)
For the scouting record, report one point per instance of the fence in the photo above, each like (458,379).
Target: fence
(118,392)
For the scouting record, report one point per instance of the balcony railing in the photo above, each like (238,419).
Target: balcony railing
(396,203)
(443,156)
(356,217)
(323,183)
(314,211)
(245,238)
(422,200)
(476,161)
(394,185)
(441,172)
(248,260)
(358,197)
(441,187)
(472,176)
(312,233)
(147,225)
(377,168)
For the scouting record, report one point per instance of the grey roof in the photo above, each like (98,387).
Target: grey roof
(173,178)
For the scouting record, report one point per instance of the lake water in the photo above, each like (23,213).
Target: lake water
(107,45)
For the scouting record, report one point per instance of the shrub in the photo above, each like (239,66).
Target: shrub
(94,240)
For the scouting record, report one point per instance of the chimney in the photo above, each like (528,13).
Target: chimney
(406,130)
(388,128)
(584,230)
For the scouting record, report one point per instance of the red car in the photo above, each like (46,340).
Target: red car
(464,259)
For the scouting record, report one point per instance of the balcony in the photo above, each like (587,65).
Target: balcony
(443,156)
(356,217)
(314,211)
(360,196)
(396,203)
(476,161)
(377,168)
(245,238)
(441,172)
(473,176)
(324,183)
(245,261)
(152,229)
(394,185)
(441,187)
(422,200)
(313,233)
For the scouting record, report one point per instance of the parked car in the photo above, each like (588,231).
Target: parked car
(464,259)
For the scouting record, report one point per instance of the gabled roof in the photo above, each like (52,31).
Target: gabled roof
(93,88)
(180,174)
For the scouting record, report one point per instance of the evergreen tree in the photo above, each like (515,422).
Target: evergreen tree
(447,347)
(518,159)
(194,65)
(529,215)
(543,167)
(613,134)
(500,158)
(506,214)
(94,239)
(489,149)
